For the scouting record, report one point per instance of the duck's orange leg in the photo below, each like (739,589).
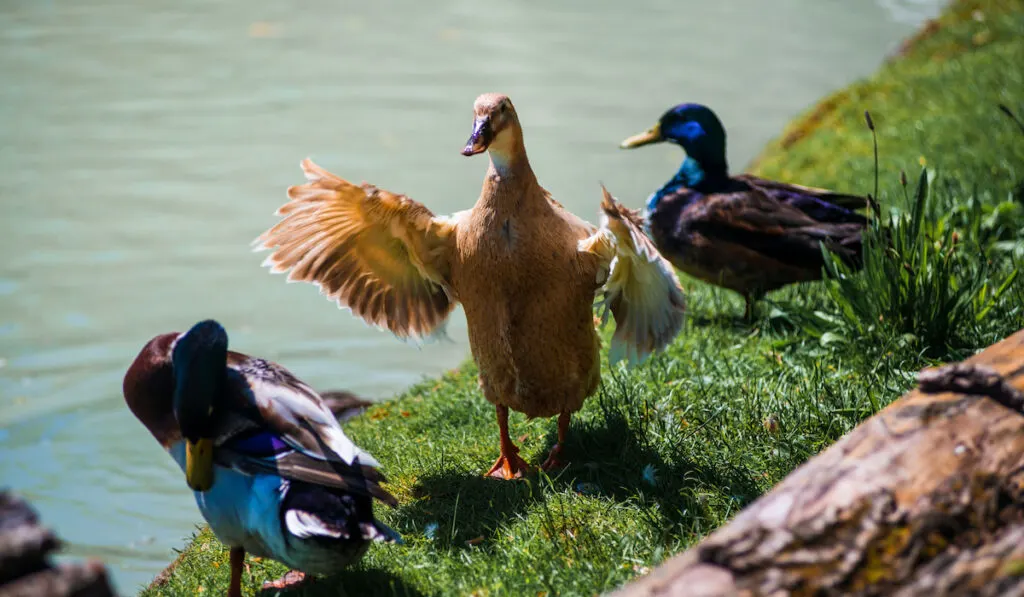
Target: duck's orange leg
(508,465)
(237,559)
(553,460)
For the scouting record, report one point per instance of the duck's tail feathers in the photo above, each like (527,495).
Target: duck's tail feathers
(641,289)
(315,511)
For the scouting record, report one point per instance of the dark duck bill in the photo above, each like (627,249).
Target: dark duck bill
(481,137)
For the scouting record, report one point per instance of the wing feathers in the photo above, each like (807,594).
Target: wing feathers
(300,467)
(641,290)
(773,228)
(821,204)
(276,424)
(384,256)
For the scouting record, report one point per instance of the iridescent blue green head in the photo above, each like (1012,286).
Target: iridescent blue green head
(693,127)
(199,360)
(700,133)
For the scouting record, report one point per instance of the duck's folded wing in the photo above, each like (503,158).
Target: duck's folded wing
(276,424)
(641,289)
(771,228)
(264,453)
(382,255)
(821,204)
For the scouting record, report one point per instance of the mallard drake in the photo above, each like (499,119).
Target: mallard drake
(744,233)
(272,471)
(524,269)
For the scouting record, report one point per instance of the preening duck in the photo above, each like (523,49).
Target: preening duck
(272,471)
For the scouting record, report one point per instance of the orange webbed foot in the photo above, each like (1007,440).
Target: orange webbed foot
(291,580)
(554,462)
(508,466)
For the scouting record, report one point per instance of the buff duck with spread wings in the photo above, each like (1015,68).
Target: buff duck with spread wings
(745,233)
(525,270)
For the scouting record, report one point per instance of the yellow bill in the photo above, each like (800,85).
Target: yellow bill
(199,464)
(651,135)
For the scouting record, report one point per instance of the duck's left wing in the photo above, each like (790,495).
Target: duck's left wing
(283,427)
(264,454)
(640,287)
(821,204)
(382,255)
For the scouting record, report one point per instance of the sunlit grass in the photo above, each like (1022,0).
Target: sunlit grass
(663,455)
(931,277)
(936,106)
(670,450)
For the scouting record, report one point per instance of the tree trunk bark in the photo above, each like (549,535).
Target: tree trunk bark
(924,498)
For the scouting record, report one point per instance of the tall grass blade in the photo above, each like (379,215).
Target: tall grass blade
(920,199)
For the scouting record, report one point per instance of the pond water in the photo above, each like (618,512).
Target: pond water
(143,145)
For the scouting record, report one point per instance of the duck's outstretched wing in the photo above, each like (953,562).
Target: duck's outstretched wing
(641,288)
(276,424)
(384,256)
(821,204)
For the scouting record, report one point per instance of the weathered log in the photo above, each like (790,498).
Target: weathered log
(924,498)
(25,567)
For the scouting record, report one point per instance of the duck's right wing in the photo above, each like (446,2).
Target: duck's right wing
(382,255)
(641,288)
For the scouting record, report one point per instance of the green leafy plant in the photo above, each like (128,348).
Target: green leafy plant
(923,279)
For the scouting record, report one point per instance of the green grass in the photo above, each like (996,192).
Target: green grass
(923,280)
(670,450)
(661,456)
(935,106)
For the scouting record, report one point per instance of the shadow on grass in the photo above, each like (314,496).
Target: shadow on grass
(610,455)
(351,583)
(728,321)
(465,507)
(613,456)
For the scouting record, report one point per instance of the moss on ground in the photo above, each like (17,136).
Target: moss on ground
(670,450)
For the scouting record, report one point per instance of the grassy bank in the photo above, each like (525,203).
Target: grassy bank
(669,451)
